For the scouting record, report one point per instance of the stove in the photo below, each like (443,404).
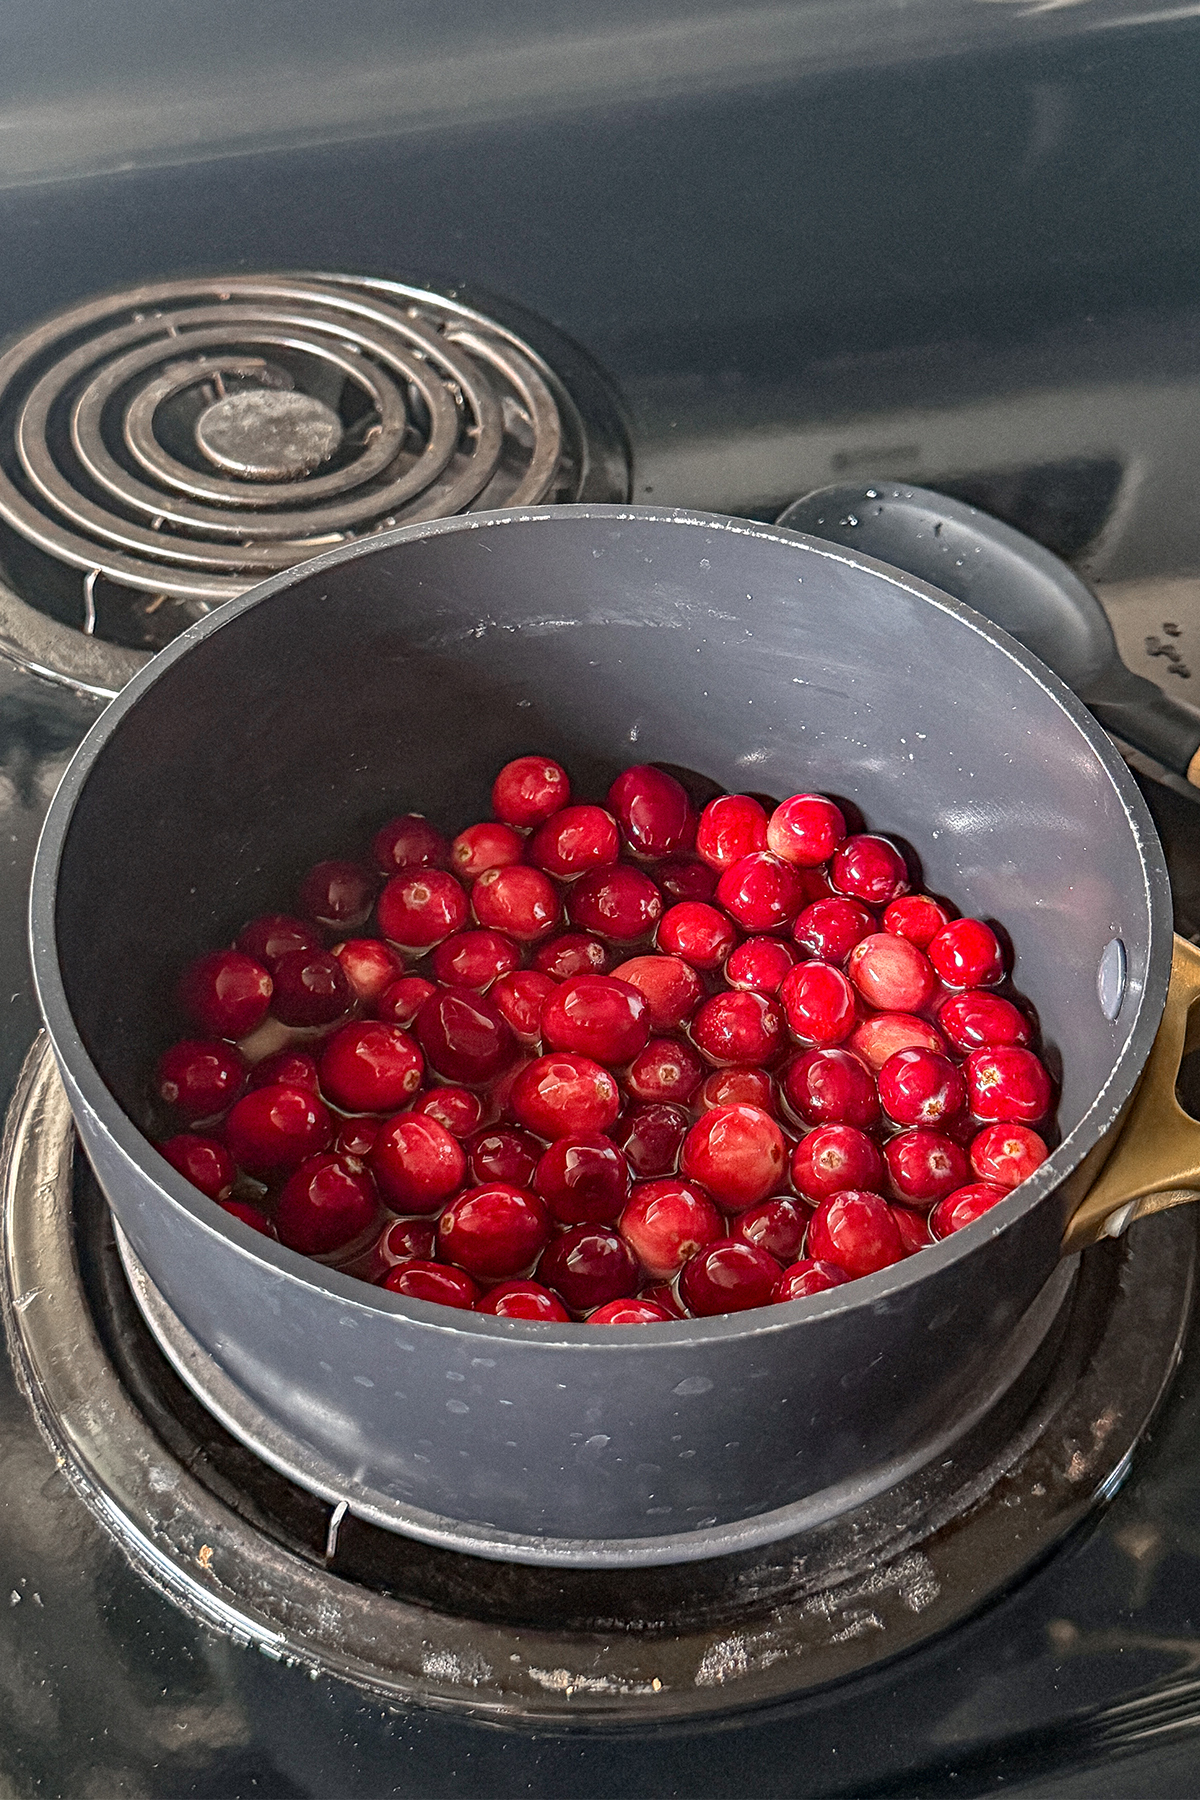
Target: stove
(747,255)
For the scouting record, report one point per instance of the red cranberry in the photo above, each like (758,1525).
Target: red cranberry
(402,1000)
(203,1161)
(598,1016)
(806,830)
(474,959)
(653,811)
(686,880)
(913,1228)
(924,1166)
(337,894)
(856,1231)
(419,1280)
(325,1206)
(523,1300)
(418,910)
(529,790)
(974,1021)
(728,1276)
(891,973)
(635,1311)
(698,933)
(964,1206)
(504,1153)
(287,1068)
(883,1034)
(829,929)
(588,1266)
(584,1180)
(833,1158)
(558,1095)
(200,1080)
(667,1222)
(500,1092)
(519,998)
(870,869)
(310,989)
(574,840)
(483,847)
(776,1226)
(465,1037)
(401,1240)
(370,1068)
(518,900)
(667,1069)
(369,966)
(417,1163)
(574,953)
(808,1277)
(455,1109)
(660,1294)
(618,904)
(494,1230)
(409,842)
(919,1087)
(818,1003)
(250,1215)
(831,1087)
(736,1087)
(761,892)
(651,1137)
(967,954)
(760,963)
(356,1138)
(739,1028)
(737,1153)
(226,993)
(732,826)
(273,1129)
(1008,1084)
(1004,1154)
(671,988)
(917,918)
(273,935)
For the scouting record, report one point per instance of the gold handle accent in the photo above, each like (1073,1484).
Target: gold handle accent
(1155,1163)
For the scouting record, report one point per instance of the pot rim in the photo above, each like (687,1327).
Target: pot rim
(87,1086)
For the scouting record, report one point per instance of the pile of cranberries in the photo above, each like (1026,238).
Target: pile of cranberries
(627,1063)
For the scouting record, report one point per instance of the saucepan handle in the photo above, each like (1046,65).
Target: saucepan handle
(1155,1163)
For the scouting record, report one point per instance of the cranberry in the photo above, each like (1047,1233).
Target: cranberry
(504,1153)
(698,933)
(203,1161)
(1004,1154)
(686,880)
(964,1206)
(500,1091)
(919,1087)
(273,1129)
(635,1311)
(226,993)
(856,1231)
(831,1087)
(967,954)
(738,1028)
(417,1163)
(671,988)
(574,953)
(574,840)
(519,997)
(833,1158)
(913,1228)
(325,1206)
(737,1153)
(728,1276)
(736,1087)
(891,973)
(667,1069)
(200,1080)
(974,1021)
(418,910)
(618,904)
(667,1222)
(651,1136)
(337,894)
(455,1109)
(565,1093)
(523,1300)
(369,966)
(465,1037)
(273,935)
(870,869)
(402,1000)
(829,929)
(806,830)
(808,1277)
(356,1137)
(583,1179)
(588,1266)
(761,892)
(418,1280)
(310,989)
(370,1068)
(494,1230)
(518,900)
(287,1068)
(401,1240)
(882,1034)
(474,959)
(924,1166)
(250,1215)
(732,826)
(653,811)
(529,790)
(818,1003)
(409,842)
(776,1226)
(598,1016)
(660,1294)
(917,918)
(1008,1084)
(483,847)
(760,963)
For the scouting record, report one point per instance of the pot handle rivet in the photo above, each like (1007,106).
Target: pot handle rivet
(1110,978)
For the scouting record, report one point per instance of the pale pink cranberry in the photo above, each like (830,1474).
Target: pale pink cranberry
(964,1206)
(666,1223)
(250,1215)
(916,917)
(776,1226)
(369,966)
(273,935)
(662,1294)
(598,1016)
(310,989)
(619,905)
(1008,1084)
(583,1179)
(483,847)
(736,1087)
(762,892)
(891,974)
(338,894)
(416,911)
(685,879)
(523,1300)
(356,1137)
(977,1021)
(273,1129)
(564,1093)
(504,1153)
(455,1109)
(572,953)
(494,1230)
(967,954)
(855,1230)
(924,1166)
(226,993)
(883,1034)
(203,1161)
(420,1280)
(465,1037)
(651,1136)
(474,959)
(738,1028)
(831,1087)
(697,933)
(737,1153)
(833,1158)
(667,1069)
(200,1079)
(728,1276)
(370,1068)
(1005,1154)
(416,1163)
(638,1310)
(409,842)
(402,1000)
(653,811)
(808,1277)
(575,840)
(529,790)
(326,1205)
(587,1266)
(670,987)
(760,963)
(806,830)
(731,826)
(919,1087)
(819,1004)
(829,929)
(870,869)
(519,997)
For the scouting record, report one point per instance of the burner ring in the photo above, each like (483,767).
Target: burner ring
(269,434)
